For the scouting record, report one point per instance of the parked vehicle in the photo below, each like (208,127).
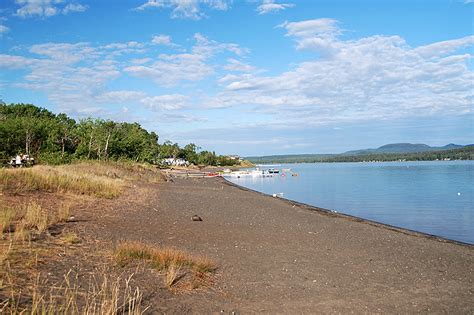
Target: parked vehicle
(22,160)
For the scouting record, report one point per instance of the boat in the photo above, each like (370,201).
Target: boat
(252,173)
(273,171)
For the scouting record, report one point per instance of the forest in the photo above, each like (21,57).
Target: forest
(464,153)
(57,139)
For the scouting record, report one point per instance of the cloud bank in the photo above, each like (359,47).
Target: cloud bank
(342,80)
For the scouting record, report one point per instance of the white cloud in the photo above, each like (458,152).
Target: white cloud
(171,69)
(121,96)
(166,102)
(46,8)
(74,7)
(131,47)
(161,40)
(208,48)
(76,76)
(318,34)
(3,29)
(173,118)
(15,62)
(186,9)
(140,61)
(324,27)
(268,6)
(36,7)
(72,75)
(376,77)
(445,47)
(239,66)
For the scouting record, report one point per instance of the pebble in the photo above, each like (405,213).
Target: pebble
(196,218)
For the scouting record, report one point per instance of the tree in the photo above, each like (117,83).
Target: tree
(25,128)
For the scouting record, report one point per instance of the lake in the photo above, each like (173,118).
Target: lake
(433,197)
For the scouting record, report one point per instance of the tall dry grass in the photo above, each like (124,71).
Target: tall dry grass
(128,171)
(36,217)
(58,179)
(95,178)
(7,216)
(173,273)
(102,296)
(28,220)
(21,221)
(174,263)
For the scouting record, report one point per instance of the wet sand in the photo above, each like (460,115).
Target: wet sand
(279,257)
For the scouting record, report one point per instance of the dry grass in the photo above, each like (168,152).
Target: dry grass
(175,263)
(98,294)
(204,265)
(26,226)
(58,179)
(5,252)
(127,171)
(22,233)
(70,238)
(7,216)
(160,258)
(21,221)
(173,273)
(64,212)
(102,296)
(94,178)
(36,217)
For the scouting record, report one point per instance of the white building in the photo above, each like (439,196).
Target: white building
(175,162)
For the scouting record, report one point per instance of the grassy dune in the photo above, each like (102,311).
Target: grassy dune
(58,179)
(100,179)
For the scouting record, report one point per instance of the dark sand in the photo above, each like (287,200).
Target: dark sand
(277,257)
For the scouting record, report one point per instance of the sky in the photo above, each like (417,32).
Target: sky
(249,77)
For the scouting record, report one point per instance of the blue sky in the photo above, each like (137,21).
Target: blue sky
(249,77)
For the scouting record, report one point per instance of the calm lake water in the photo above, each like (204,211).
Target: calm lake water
(430,197)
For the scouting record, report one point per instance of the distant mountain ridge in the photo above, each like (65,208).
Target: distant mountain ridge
(388,152)
(404,148)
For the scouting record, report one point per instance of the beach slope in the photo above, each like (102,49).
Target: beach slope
(279,257)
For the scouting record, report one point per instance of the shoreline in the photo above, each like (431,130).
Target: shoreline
(357,219)
(280,256)
(272,255)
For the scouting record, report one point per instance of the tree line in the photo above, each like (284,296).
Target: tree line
(464,153)
(57,139)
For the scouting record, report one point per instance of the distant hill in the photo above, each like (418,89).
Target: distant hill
(388,152)
(403,148)
(291,158)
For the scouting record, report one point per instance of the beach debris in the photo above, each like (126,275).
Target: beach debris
(279,195)
(196,218)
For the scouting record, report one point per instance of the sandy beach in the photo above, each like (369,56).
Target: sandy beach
(275,256)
